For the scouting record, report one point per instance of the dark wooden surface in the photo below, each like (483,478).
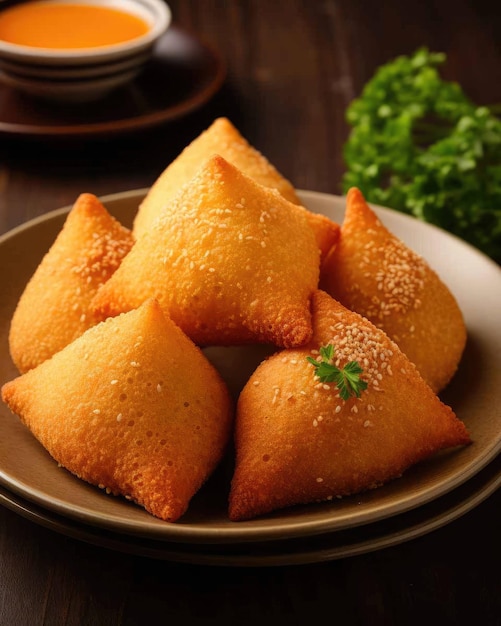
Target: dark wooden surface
(293,67)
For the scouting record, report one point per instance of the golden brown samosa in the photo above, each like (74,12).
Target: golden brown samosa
(230,261)
(298,441)
(132,406)
(220,138)
(374,273)
(54,307)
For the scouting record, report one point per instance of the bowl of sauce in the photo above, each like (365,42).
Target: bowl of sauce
(78,50)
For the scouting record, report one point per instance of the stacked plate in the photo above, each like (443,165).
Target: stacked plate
(428,496)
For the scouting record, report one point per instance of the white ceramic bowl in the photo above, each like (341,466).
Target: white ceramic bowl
(84,74)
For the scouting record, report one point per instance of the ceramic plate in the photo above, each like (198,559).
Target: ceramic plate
(183,74)
(475,393)
(300,550)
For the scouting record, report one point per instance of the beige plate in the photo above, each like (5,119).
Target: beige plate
(475,393)
(328,546)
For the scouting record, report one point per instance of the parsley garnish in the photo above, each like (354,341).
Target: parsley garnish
(419,145)
(347,379)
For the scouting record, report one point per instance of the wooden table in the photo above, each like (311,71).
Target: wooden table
(293,67)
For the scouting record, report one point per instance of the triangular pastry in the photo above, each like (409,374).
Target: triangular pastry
(132,406)
(53,309)
(374,273)
(297,441)
(230,261)
(220,138)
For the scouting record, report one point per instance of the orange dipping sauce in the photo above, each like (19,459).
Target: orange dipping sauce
(57,26)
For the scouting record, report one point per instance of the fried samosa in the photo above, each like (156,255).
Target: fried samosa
(298,441)
(54,307)
(374,273)
(231,262)
(220,138)
(131,406)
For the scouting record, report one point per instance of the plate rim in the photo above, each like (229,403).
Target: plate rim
(456,506)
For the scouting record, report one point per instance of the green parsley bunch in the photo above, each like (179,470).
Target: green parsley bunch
(420,146)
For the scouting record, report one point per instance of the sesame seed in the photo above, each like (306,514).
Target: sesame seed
(119,417)
(113,382)
(399,276)
(320,480)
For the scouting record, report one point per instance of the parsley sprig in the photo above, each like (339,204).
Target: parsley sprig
(419,145)
(347,379)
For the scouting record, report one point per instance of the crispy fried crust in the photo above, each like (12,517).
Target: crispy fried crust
(220,138)
(132,406)
(230,261)
(375,274)
(297,442)
(53,309)
(326,233)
